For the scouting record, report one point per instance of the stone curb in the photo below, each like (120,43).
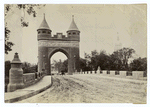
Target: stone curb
(29,94)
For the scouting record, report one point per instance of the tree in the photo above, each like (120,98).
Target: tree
(120,58)
(61,66)
(65,63)
(115,63)
(139,64)
(103,60)
(26,67)
(88,62)
(7,68)
(29,68)
(26,8)
(94,60)
(83,64)
(99,59)
(8,44)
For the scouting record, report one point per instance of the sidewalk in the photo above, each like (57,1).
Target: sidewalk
(21,94)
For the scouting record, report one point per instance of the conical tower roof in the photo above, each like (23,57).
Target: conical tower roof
(44,24)
(73,25)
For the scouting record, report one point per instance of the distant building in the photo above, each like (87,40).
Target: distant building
(118,44)
(49,45)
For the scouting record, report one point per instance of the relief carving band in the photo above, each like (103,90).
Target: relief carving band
(58,44)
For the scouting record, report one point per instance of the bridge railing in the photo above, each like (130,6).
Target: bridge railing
(31,78)
(18,80)
(139,75)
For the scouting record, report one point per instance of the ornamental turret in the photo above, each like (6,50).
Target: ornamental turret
(73,30)
(44,32)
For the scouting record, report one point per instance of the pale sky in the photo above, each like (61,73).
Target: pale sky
(98,25)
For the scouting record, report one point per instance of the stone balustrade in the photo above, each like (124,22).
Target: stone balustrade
(121,74)
(104,72)
(18,80)
(93,72)
(137,74)
(32,78)
(28,78)
(112,73)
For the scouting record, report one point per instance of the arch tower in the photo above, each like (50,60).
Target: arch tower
(49,45)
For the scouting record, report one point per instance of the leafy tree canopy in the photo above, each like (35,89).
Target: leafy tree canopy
(26,9)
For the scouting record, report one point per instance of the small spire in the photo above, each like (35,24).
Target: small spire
(73,26)
(16,55)
(44,24)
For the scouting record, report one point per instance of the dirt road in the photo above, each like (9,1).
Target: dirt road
(91,89)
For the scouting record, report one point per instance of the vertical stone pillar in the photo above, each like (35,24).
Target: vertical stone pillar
(93,72)
(43,60)
(81,71)
(15,75)
(70,66)
(48,67)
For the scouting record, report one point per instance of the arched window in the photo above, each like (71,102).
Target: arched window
(39,32)
(48,32)
(69,33)
(43,31)
(74,33)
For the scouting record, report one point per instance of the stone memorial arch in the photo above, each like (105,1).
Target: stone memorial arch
(49,45)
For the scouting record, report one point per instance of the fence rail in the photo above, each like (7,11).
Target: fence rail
(125,74)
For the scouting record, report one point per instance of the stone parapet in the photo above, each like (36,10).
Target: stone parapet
(93,72)
(28,78)
(137,74)
(123,74)
(104,72)
(112,73)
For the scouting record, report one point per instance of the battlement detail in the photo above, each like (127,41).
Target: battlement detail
(44,32)
(59,36)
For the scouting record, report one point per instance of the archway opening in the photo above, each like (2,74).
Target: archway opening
(58,63)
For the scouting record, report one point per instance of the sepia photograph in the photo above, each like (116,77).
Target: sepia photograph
(75,53)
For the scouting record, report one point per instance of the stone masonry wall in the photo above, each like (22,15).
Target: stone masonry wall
(28,78)
(46,48)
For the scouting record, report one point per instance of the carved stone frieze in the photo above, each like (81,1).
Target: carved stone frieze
(47,43)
